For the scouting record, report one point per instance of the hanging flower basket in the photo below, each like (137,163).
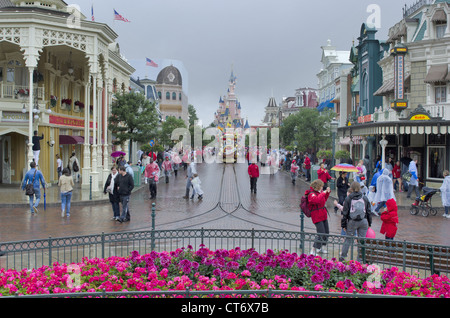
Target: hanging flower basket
(53,101)
(22,92)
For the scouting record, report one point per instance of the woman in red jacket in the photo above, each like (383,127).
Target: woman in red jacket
(253,173)
(324,176)
(317,199)
(397,176)
(390,220)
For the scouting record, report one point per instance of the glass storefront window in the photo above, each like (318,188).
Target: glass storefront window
(436,162)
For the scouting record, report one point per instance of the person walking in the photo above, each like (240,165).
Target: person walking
(253,173)
(361,175)
(110,187)
(74,165)
(191,170)
(36,140)
(397,176)
(307,167)
(414,182)
(390,220)
(445,194)
(166,167)
(342,185)
(294,171)
(324,176)
(196,184)
(356,217)
(66,185)
(317,199)
(59,167)
(385,191)
(152,177)
(125,184)
(36,178)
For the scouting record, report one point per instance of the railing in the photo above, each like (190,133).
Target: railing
(439,110)
(38,253)
(13,91)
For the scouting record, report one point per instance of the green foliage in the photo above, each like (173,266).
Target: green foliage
(167,127)
(342,154)
(313,130)
(325,154)
(133,118)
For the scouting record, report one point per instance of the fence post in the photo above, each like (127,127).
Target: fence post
(103,245)
(202,234)
(90,188)
(404,255)
(50,251)
(153,225)
(253,238)
(302,231)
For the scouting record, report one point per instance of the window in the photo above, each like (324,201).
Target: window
(159,95)
(179,96)
(440,93)
(436,162)
(174,96)
(167,95)
(440,30)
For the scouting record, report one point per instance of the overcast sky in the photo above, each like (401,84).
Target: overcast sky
(273,46)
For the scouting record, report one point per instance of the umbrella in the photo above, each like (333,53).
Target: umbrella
(45,200)
(118,154)
(345,167)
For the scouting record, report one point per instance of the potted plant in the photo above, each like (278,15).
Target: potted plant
(66,104)
(342,155)
(79,106)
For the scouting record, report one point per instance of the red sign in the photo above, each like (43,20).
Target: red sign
(365,119)
(65,121)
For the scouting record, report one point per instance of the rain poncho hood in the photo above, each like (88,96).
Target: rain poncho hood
(385,188)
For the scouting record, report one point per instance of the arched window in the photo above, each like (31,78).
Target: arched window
(167,95)
(179,96)
(174,96)
(159,95)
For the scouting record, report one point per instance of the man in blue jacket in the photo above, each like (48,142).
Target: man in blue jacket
(36,178)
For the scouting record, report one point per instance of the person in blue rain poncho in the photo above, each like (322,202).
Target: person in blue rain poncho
(414,182)
(385,190)
(445,194)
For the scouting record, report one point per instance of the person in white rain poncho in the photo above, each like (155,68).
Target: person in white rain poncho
(197,189)
(385,190)
(445,194)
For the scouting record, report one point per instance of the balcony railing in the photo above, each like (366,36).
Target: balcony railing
(13,91)
(439,110)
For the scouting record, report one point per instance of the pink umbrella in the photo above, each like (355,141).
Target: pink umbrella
(118,154)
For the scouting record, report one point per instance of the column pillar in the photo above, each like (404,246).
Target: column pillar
(94,172)
(106,155)
(99,133)
(364,145)
(383,144)
(31,116)
(87,129)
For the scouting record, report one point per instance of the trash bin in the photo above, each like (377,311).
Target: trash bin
(137,176)
(314,170)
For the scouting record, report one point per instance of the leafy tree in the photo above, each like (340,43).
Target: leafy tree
(167,127)
(307,130)
(133,118)
(192,115)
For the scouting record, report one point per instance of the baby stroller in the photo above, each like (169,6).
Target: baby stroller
(423,203)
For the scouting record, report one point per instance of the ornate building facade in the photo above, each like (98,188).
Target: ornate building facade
(57,78)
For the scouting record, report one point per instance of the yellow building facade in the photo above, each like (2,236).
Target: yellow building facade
(58,76)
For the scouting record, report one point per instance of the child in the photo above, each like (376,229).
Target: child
(294,171)
(390,220)
(371,197)
(197,189)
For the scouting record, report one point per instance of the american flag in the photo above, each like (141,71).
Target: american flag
(92,13)
(151,63)
(118,17)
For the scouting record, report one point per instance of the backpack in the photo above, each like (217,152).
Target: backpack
(304,206)
(75,167)
(358,209)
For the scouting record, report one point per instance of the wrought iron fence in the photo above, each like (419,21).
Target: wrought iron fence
(420,259)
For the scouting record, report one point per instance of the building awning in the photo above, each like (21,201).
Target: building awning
(386,88)
(439,16)
(71,140)
(437,73)
(337,99)
(324,105)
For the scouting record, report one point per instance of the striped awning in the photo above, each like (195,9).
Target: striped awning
(387,88)
(437,73)
(439,16)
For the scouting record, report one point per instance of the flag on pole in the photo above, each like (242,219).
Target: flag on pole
(92,13)
(118,17)
(149,62)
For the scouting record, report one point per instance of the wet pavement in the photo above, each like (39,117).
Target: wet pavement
(227,204)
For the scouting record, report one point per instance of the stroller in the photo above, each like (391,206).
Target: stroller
(423,203)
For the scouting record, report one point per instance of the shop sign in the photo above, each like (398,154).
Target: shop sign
(420,117)
(365,119)
(13,117)
(66,121)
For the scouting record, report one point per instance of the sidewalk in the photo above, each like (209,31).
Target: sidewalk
(12,196)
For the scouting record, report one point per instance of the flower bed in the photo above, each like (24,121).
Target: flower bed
(206,270)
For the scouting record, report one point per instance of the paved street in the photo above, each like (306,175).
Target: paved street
(227,204)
